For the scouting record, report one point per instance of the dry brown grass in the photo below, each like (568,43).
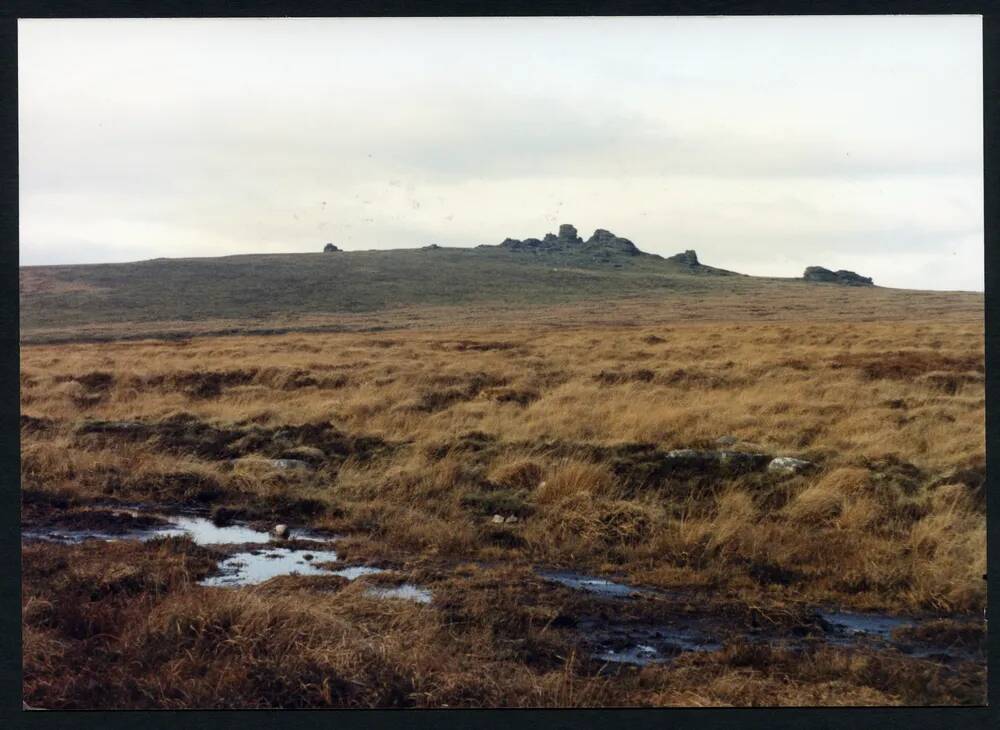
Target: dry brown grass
(537,422)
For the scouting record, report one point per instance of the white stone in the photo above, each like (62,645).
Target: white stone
(788,465)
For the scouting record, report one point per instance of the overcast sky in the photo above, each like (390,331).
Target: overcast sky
(767,144)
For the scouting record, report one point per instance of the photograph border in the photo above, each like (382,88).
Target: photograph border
(11,714)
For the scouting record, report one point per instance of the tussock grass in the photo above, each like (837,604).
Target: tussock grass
(414,441)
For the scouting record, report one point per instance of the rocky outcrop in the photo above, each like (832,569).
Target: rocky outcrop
(330,248)
(688,258)
(609,241)
(567,234)
(849,278)
(602,243)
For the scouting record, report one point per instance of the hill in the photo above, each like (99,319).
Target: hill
(348,289)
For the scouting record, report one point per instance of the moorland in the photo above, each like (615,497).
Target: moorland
(609,480)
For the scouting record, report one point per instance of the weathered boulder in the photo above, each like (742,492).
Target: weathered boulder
(697,461)
(497,520)
(788,465)
(691,459)
(528,244)
(842,276)
(610,242)
(568,234)
(330,248)
(740,462)
(688,258)
(818,273)
(281,532)
(852,279)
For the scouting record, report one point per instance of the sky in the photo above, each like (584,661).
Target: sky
(767,144)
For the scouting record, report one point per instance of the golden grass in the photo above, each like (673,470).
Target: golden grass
(808,390)
(534,421)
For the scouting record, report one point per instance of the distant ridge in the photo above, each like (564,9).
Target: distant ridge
(265,291)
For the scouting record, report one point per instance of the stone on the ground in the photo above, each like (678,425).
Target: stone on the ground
(739,462)
(692,458)
(696,460)
(511,519)
(788,465)
(281,532)
(497,519)
(289,464)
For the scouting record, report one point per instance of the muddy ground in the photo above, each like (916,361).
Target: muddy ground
(615,632)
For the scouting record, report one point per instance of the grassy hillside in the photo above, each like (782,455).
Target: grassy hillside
(257,286)
(380,289)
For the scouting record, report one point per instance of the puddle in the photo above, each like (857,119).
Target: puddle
(643,645)
(257,566)
(590,583)
(205,532)
(406,591)
(249,567)
(607,640)
(357,571)
(860,624)
(76,536)
(200,529)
